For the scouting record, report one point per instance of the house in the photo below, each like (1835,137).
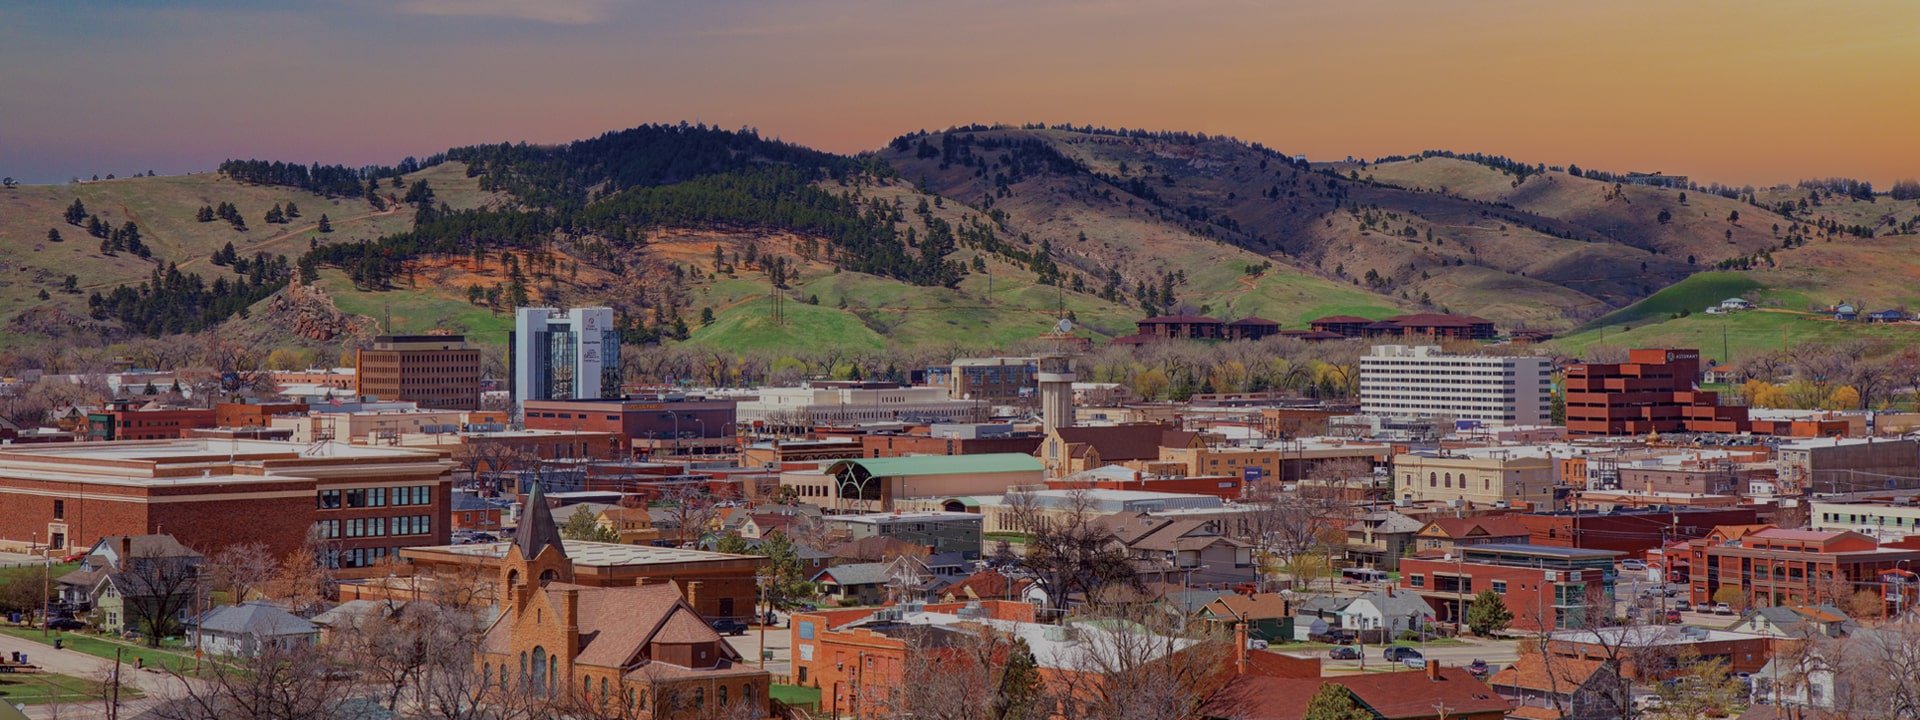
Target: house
(1795,622)
(1845,313)
(1450,534)
(638,646)
(246,629)
(1388,611)
(1379,539)
(473,513)
(856,583)
(1723,374)
(358,613)
(1733,304)
(1434,693)
(132,583)
(1266,616)
(1889,315)
(991,584)
(1191,552)
(1561,689)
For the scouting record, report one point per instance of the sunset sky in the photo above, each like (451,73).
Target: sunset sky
(1738,92)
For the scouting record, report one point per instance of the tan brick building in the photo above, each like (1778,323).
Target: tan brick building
(642,648)
(437,371)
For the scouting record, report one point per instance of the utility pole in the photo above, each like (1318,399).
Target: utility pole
(113,707)
(46,589)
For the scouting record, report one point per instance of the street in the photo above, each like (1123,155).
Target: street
(153,683)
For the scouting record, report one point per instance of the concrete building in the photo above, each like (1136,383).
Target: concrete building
(1492,476)
(368,501)
(1845,465)
(565,355)
(1056,392)
(1885,519)
(1422,380)
(378,423)
(435,371)
(941,532)
(881,484)
(846,404)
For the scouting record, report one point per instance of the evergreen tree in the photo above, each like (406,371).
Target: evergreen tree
(205,214)
(293,211)
(76,213)
(97,228)
(1335,702)
(44,295)
(71,284)
(706,316)
(325,226)
(1488,614)
(582,525)
(53,235)
(276,216)
(106,247)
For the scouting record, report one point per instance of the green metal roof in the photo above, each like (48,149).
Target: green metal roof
(943,464)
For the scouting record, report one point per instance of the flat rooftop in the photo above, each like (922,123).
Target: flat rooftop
(924,516)
(199,461)
(1540,551)
(198,450)
(596,554)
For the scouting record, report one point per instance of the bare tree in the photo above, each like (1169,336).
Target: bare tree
(1140,664)
(240,570)
(304,580)
(156,589)
(978,672)
(692,510)
(1067,552)
(280,683)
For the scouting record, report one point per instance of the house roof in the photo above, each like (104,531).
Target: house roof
(147,546)
(1259,606)
(1389,523)
(1438,320)
(256,618)
(913,465)
(870,573)
(537,530)
(987,584)
(1483,526)
(1394,604)
(1390,695)
(1561,677)
(1116,443)
(616,623)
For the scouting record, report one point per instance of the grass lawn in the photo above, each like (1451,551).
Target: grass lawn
(46,688)
(100,647)
(9,575)
(796,695)
(1011,537)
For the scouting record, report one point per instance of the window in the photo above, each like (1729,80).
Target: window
(329,499)
(1418,580)
(357,498)
(1500,586)
(59,509)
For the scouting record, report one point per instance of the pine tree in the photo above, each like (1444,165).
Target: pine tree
(706,316)
(71,284)
(53,235)
(1488,614)
(582,525)
(44,295)
(205,214)
(293,211)
(76,213)
(106,247)
(325,226)
(1335,702)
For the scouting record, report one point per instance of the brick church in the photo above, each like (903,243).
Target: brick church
(641,652)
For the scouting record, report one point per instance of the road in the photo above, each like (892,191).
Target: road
(1500,653)
(779,644)
(154,684)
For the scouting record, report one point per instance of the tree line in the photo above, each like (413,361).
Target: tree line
(328,180)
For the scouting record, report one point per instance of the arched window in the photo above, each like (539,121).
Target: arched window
(1433,479)
(720,696)
(486,676)
(523,667)
(513,578)
(1446,480)
(603,690)
(553,673)
(546,576)
(699,697)
(539,669)
(586,687)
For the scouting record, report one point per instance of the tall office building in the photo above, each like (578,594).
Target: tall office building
(1422,380)
(440,372)
(565,354)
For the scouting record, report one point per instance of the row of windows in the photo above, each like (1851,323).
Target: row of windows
(376,527)
(541,671)
(375,497)
(360,557)
(1446,480)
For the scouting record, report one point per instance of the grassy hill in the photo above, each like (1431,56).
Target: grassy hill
(164,208)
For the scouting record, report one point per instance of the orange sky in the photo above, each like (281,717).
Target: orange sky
(1737,92)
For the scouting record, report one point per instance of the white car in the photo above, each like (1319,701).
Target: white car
(1633,565)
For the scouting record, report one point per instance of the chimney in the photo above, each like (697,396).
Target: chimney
(693,594)
(126,549)
(1240,648)
(1433,669)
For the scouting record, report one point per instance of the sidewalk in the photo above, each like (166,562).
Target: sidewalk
(154,684)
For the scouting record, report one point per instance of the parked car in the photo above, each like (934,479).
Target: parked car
(1415,663)
(1398,653)
(1344,652)
(1256,644)
(1673,617)
(729,627)
(1479,669)
(1633,565)
(1722,609)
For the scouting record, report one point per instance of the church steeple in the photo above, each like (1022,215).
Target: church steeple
(537,530)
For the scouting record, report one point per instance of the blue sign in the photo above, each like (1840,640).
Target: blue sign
(1464,425)
(1250,474)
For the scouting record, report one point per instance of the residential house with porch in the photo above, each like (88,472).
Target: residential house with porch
(1379,539)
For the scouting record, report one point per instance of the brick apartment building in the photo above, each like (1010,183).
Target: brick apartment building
(965,439)
(1544,587)
(1633,532)
(437,371)
(1775,566)
(210,494)
(662,424)
(131,420)
(1655,391)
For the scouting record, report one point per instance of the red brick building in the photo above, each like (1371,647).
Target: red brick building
(1775,566)
(1655,391)
(1544,587)
(129,420)
(1631,532)
(904,444)
(210,494)
(437,371)
(1183,327)
(253,415)
(665,424)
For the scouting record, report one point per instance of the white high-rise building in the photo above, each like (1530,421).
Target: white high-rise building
(1422,380)
(565,354)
